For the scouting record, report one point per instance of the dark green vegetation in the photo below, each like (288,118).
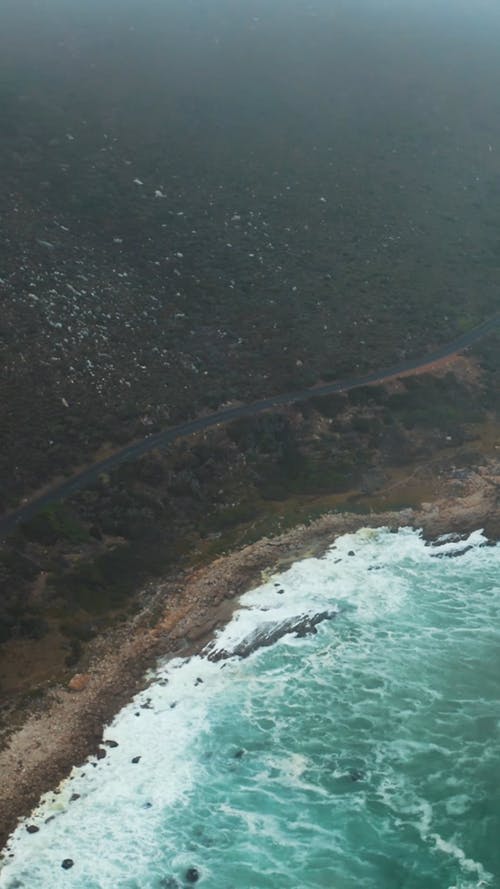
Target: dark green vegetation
(84,478)
(197,208)
(226,487)
(217,205)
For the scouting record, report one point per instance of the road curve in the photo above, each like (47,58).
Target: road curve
(86,477)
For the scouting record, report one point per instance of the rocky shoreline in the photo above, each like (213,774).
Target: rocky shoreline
(180,618)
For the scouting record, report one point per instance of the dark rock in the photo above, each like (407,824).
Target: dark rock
(239,754)
(101,753)
(74,797)
(280,592)
(111,743)
(454,537)
(351,553)
(268,634)
(192,875)
(199,681)
(305,629)
(451,554)
(32,828)
(67,863)
(135,759)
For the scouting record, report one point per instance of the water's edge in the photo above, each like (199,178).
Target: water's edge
(181,618)
(178,706)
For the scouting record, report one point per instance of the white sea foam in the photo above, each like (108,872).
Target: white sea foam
(448,847)
(123,805)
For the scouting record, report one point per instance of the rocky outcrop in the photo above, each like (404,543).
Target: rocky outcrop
(268,634)
(79,681)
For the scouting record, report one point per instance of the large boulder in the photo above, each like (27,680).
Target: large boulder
(79,681)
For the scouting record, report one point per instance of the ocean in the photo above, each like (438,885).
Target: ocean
(365,755)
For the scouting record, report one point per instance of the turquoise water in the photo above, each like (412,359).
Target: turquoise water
(366,756)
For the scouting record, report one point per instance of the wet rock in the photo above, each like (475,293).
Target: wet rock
(305,629)
(135,759)
(239,754)
(351,553)
(198,681)
(111,743)
(79,681)
(192,875)
(32,828)
(451,554)
(356,775)
(67,863)
(101,753)
(74,797)
(268,634)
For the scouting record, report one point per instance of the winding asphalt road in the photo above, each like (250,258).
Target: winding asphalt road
(130,452)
